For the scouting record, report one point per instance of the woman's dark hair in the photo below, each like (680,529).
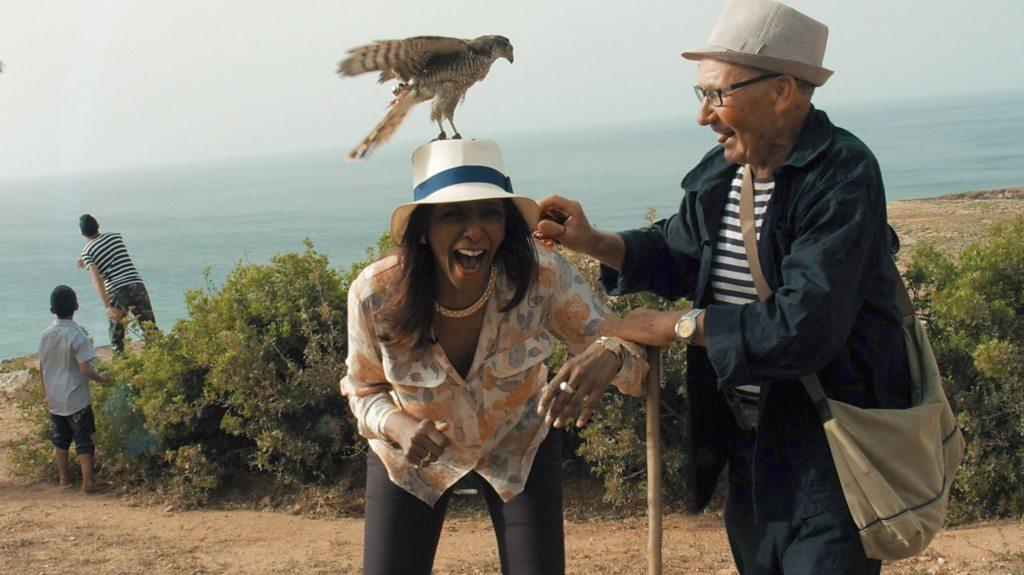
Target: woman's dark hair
(409,312)
(89,226)
(63,302)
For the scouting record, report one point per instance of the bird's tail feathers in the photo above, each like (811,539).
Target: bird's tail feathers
(400,107)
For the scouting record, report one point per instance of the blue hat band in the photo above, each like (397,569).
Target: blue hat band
(461,175)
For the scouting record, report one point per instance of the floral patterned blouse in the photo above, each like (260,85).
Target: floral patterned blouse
(492,412)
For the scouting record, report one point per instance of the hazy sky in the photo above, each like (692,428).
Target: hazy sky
(94,85)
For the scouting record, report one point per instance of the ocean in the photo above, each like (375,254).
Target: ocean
(179,220)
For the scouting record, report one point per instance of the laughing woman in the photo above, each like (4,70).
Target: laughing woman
(447,339)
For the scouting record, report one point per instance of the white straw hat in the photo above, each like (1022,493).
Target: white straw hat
(446,171)
(770,36)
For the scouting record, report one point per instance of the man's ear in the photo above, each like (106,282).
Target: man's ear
(786,92)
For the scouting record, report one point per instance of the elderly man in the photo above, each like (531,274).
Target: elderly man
(823,242)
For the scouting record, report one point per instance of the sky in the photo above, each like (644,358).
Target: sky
(101,85)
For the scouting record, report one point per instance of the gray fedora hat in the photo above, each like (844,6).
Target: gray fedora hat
(770,36)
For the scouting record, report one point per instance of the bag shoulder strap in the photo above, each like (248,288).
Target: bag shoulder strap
(748,226)
(749,229)
(903,302)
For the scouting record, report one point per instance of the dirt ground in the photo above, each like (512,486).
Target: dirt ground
(44,529)
(952,222)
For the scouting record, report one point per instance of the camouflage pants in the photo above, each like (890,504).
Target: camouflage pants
(133,299)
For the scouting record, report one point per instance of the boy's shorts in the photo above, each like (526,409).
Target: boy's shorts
(78,426)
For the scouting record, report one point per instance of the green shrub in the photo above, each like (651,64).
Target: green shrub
(191,477)
(32,454)
(246,385)
(975,313)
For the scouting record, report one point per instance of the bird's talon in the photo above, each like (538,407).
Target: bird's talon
(457,136)
(441,136)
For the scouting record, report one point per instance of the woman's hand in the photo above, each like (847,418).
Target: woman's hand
(585,378)
(422,441)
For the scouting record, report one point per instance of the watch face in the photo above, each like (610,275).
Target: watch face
(685,328)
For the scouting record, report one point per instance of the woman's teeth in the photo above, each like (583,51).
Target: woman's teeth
(469,260)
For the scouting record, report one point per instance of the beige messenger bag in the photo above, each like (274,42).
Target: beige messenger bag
(896,466)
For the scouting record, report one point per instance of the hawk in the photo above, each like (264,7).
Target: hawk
(428,68)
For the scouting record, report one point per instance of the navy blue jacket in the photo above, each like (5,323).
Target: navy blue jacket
(823,250)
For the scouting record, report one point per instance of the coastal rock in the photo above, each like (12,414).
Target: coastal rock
(15,384)
(1000,194)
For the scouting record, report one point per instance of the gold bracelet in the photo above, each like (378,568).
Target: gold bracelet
(611,344)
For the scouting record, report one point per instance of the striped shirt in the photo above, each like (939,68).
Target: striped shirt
(108,254)
(730,273)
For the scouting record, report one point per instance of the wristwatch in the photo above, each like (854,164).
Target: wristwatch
(686,326)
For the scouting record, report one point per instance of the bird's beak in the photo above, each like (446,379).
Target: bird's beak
(509,57)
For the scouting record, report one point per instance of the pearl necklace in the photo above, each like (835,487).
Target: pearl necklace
(458,313)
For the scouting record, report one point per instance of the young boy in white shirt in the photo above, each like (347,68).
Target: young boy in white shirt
(65,362)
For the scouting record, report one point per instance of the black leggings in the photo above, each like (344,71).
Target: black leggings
(401,531)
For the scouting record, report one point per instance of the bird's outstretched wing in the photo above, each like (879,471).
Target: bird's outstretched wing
(402,59)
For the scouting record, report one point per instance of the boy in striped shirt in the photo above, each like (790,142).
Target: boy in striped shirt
(117,282)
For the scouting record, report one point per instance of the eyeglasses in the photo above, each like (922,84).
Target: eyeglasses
(714,96)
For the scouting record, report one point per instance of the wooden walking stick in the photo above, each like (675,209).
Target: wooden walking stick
(654,508)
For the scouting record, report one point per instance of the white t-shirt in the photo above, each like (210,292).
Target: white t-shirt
(64,346)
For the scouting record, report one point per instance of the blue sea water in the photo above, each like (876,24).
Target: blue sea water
(178,220)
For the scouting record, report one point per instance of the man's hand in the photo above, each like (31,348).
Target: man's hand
(575,233)
(645,326)
(650,327)
(578,235)
(80,263)
(422,441)
(586,378)
(115,314)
